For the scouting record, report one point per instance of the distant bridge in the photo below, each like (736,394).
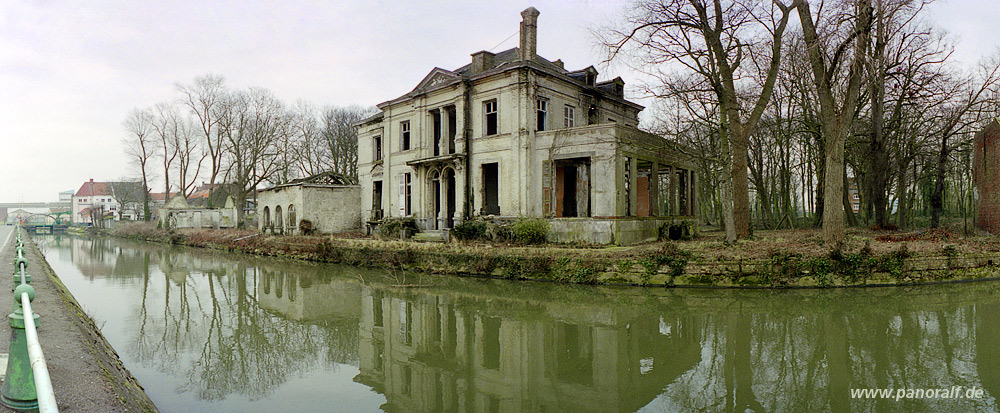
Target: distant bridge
(10,205)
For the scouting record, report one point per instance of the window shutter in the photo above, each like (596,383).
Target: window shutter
(402,195)
(547,188)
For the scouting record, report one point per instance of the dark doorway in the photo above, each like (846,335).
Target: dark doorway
(436,115)
(377,200)
(491,189)
(436,182)
(452,128)
(572,188)
(450,182)
(569,191)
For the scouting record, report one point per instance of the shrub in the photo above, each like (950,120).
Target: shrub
(306,227)
(530,230)
(392,227)
(470,230)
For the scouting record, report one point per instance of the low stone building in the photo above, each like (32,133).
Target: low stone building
(986,177)
(176,213)
(329,202)
(513,134)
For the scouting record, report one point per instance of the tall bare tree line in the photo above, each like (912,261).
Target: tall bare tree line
(858,93)
(241,139)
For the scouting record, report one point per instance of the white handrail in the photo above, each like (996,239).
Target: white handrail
(43,384)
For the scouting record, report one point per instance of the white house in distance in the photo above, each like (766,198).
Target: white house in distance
(93,196)
(515,135)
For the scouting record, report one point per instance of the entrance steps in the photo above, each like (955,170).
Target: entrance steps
(431,236)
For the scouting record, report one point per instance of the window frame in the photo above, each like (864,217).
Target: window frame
(404,136)
(377,148)
(486,117)
(541,114)
(569,116)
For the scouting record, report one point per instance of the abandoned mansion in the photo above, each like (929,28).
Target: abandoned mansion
(515,135)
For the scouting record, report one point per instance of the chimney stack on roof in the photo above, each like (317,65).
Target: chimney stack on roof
(529,33)
(481,61)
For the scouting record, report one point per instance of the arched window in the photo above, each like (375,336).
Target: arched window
(279,224)
(267,219)
(291,219)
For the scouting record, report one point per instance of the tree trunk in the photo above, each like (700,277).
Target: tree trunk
(852,220)
(937,197)
(740,185)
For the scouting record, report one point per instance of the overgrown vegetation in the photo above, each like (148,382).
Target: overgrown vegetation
(395,228)
(520,231)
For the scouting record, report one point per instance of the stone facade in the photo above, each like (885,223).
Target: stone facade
(986,177)
(330,208)
(515,135)
(176,213)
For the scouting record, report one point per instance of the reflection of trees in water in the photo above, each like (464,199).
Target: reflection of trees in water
(773,359)
(198,318)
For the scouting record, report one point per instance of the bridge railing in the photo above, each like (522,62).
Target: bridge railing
(27,385)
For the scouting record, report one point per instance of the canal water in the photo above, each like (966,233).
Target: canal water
(206,330)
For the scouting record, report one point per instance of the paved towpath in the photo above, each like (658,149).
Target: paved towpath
(86,373)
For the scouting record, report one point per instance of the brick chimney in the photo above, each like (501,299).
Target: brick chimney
(481,61)
(529,33)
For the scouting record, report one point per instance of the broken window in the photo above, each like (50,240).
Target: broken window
(491,189)
(572,187)
(592,115)
(267,217)
(491,120)
(291,217)
(377,146)
(404,132)
(569,116)
(665,193)
(628,186)
(541,114)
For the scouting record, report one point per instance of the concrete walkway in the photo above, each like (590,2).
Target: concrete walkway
(86,373)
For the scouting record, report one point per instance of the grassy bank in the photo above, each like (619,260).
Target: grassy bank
(793,258)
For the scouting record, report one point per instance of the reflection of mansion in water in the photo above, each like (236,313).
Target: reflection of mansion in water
(457,351)
(454,352)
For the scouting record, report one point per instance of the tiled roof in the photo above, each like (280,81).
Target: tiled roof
(94,188)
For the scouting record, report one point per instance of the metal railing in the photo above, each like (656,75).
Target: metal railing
(27,385)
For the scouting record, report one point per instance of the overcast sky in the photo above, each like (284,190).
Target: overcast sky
(71,71)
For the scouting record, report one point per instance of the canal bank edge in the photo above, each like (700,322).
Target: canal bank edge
(662,265)
(123,384)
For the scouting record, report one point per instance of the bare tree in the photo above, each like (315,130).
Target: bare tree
(836,116)
(341,137)
(311,154)
(140,147)
(203,98)
(963,109)
(130,195)
(167,125)
(251,123)
(189,157)
(716,39)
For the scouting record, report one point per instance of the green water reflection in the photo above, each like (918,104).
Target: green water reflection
(207,330)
